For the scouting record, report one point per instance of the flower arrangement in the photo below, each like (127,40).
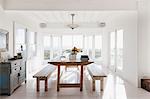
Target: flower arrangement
(75,50)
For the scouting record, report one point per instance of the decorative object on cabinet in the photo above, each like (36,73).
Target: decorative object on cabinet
(4,56)
(12,75)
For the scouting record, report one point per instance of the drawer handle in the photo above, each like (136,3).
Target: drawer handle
(15,64)
(15,69)
(18,74)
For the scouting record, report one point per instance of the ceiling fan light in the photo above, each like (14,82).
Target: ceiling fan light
(73,26)
(43,25)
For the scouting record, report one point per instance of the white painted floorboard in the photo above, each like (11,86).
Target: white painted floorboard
(115,88)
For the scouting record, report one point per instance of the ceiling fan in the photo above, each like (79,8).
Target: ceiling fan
(72,25)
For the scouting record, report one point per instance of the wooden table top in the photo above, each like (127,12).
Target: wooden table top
(70,62)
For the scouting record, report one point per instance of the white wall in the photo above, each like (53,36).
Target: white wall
(143,39)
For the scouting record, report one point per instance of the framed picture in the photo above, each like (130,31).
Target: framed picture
(3,40)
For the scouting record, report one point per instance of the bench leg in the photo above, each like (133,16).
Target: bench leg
(102,84)
(93,85)
(46,84)
(38,84)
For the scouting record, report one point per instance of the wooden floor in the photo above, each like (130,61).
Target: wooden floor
(115,88)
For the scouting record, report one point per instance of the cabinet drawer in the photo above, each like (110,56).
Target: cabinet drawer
(22,68)
(15,63)
(22,78)
(14,81)
(15,70)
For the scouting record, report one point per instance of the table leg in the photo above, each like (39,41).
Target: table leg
(46,84)
(58,77)
(81,78)
(93,85)
(102,84)
(38,84)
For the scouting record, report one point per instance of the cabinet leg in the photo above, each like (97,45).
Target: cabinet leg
(25,81)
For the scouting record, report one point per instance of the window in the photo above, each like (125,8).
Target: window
(78,41)
(47,47)
(112,49)
(98,47)
(116,49)
(120,49)
(56,46)
(20,35)
(67,41)
(88,45)
(31,44)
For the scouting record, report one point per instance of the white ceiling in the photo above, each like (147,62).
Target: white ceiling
(70,4)
(65,17)
(60,19)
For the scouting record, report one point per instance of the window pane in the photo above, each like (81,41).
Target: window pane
(19,39)
(20,36)
(46,54)
(56,43)
(67,42)
(47,42)
(78,41)
(31,36)
(88,45)
(112,50)
(98,46)
(47,47)
(56,53)
(120,49)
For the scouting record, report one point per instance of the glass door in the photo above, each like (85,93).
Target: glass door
(116,50)
(20,40)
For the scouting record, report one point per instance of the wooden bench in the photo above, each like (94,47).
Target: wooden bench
(44,74)
(97,74)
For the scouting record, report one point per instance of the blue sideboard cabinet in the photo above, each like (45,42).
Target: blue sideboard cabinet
(12,75)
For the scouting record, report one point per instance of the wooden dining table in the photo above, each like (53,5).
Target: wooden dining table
(59,63)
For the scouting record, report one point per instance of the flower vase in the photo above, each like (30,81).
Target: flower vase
(72,56)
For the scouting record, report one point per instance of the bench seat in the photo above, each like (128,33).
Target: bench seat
(44,74)
(96,73)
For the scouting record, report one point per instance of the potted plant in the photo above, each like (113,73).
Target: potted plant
(74,52)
